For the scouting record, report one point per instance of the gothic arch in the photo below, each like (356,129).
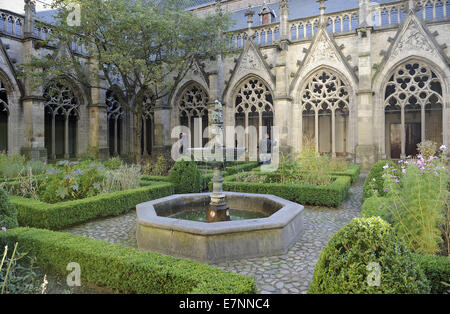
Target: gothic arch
(191,103)
(11,134)
(411,107)
(148,129)
(114,123)
(62,105)
(4,118)
(253,105)
(325,110)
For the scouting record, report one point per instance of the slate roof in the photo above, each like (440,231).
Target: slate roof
(297,9)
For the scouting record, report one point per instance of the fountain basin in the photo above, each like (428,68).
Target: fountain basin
(219,241)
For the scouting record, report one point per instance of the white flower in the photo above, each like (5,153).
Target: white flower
(443,148)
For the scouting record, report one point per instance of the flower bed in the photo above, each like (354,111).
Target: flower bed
(326,195)
(124,269)
(33,213)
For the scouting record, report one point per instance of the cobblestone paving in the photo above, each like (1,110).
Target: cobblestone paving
(288,273)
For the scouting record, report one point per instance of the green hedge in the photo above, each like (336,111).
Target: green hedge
(436,269)
(32,213)
(124,269)
(352,171)
(330,195)
(237,166)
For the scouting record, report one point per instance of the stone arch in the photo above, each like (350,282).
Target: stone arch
(253,105)
(190,109)
(114,123)
(148,125)
(62,104)
(325,111)
(412,99)
(4,117)
(11,134)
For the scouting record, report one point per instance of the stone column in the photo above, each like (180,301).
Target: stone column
(98,119)
(161,129)
(32,102)
(365,150)
(282,100)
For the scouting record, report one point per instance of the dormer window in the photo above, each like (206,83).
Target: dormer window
(267,15)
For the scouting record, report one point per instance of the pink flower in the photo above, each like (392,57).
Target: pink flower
(397,180)
(386,166)
(403,170)
(386,190)
(4,229)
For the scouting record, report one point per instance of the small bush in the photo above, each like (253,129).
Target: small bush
(375,206)
(186,177)
(374,180)
(437,271)
(8,212)
(124,269)
(343,266)
(113,163)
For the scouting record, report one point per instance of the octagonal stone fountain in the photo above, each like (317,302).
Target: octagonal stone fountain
(218,226)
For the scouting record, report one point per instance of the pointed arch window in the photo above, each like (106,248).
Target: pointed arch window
(253,107)
(413,105)
(4,116)
(61,119)
(324,104)
(147,138)
(114,113)
(192,107)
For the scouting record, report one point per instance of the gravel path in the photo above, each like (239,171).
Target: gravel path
(288,273)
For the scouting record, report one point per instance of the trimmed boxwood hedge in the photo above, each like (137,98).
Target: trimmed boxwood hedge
(124,269)
(330,195)
(352,171)
(32,213)
(436,269)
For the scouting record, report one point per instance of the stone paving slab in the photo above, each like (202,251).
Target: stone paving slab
(288,273)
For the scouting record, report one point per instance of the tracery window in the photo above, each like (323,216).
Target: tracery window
(413,102)
(4,114)
(114,113)
(192,105)
(61,116)
(147,125)
(324,103)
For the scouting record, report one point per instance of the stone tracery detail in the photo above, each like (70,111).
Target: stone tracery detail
(253,96)
(4,107)
(413,103)
(413,83)
(193,101)
(60,100)
(325,90)
(325,93)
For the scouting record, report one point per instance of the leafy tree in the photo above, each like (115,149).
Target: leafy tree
(142,48)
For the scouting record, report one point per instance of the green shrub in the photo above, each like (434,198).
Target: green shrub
(343,264)
(124,269)
(113,163)
(8,212)
(325,195)
(437,271)
(376,173)
(375,206)
(186,177)
(33,213)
